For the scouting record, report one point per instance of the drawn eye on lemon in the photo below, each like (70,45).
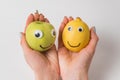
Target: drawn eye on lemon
(76,35)
(40,36)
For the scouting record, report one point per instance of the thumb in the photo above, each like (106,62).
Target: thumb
(24,43)
(93,41)
(31,55)
(29,20)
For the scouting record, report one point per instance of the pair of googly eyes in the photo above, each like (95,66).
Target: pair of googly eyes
(80,29)
(39,33)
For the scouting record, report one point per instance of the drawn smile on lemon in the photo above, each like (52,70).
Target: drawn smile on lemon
(73,45)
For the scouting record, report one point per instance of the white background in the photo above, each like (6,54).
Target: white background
(103,14)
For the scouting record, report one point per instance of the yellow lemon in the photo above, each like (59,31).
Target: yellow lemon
(76,35)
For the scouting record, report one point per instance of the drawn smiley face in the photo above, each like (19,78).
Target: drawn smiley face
(40,36)
(76,35)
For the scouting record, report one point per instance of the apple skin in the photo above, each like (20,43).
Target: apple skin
(40,36)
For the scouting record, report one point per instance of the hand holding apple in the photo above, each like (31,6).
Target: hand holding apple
(40,35)
(42,63)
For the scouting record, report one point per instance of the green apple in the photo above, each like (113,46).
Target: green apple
(40,36)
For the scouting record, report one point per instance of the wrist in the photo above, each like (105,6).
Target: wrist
(42,76)
(75,76)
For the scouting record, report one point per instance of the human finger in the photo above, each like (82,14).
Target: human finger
(41,18)
(29,20)
(64,22)
(36,15)
(93,41)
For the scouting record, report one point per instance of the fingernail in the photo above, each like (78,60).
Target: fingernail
(20,34)
(94,29)
(37,12)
